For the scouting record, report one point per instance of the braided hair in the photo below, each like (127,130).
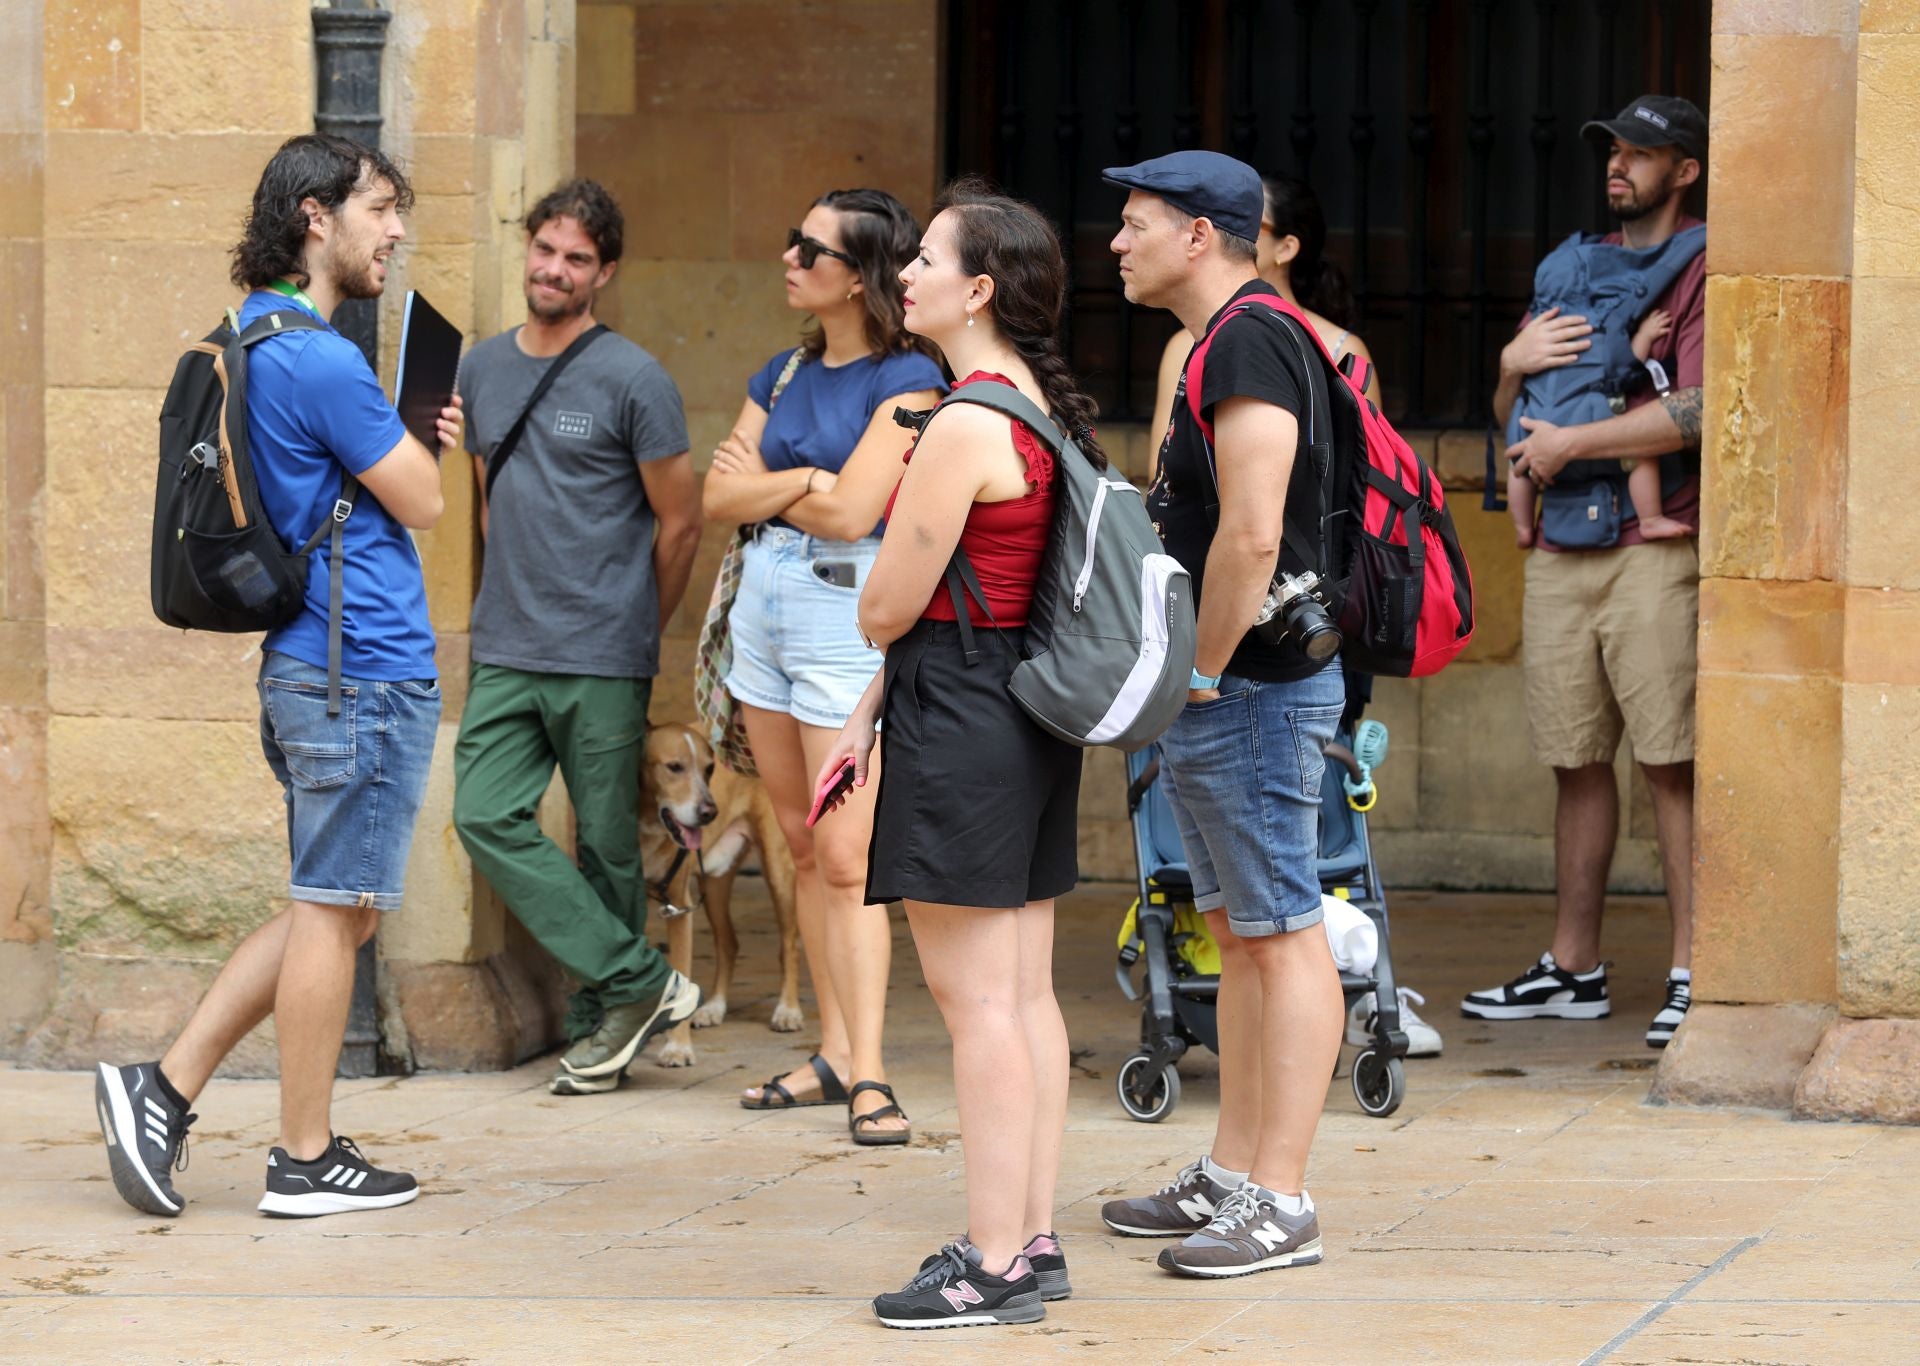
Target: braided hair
(1011,242)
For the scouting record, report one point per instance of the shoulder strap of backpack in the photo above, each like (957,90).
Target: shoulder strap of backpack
(504,451)
(1004,398)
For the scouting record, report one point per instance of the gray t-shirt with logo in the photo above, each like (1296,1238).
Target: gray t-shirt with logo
(567,585)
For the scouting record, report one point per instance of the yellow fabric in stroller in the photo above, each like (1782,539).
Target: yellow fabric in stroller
(1192,940)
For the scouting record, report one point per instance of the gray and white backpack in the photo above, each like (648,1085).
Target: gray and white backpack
(1110,635)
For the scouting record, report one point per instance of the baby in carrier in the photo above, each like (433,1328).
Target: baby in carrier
(1643,480)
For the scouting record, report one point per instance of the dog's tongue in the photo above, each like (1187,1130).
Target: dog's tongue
(686,836)
(690,836)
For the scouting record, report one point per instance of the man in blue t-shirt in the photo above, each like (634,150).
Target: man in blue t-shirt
(325,219)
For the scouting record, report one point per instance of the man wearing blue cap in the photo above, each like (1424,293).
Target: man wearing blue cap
(1242,764)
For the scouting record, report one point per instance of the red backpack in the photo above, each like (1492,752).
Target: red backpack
(1402,593)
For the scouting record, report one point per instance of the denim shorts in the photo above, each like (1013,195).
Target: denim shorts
(796,634)
(352,782)
(1242,775)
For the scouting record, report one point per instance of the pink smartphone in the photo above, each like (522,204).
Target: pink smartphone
(831,791)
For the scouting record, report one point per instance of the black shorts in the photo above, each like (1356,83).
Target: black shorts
(977,805)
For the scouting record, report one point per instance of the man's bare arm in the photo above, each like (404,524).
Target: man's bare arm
(1684,407)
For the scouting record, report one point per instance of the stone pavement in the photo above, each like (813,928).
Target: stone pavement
(1525,1204)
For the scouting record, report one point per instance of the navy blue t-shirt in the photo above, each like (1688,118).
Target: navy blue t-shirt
(314,406)
(824,410)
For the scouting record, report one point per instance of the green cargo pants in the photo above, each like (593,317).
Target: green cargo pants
(591,916)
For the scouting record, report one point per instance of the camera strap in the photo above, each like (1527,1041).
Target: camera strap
(504,451)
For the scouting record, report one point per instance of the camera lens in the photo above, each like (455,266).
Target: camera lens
(1307,623)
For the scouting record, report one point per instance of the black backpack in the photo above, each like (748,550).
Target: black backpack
(218,565)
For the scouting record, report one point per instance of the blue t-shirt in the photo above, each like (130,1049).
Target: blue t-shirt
(314,406)
(824,410)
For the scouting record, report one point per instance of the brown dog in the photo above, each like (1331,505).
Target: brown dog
(696,824)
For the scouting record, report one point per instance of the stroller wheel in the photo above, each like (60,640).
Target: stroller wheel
(1379,1084)
(1146,1097)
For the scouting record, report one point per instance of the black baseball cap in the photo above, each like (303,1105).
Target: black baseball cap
(1656,121)
(1204,184)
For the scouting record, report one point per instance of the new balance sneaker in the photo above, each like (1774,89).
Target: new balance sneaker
(1043,1254)
(1423,1040)
(1250,1233)
(338,1181)
(146,1134)
(1679,997)
(953,1290)
(1178,1208)
(1544,991)
(625,1029)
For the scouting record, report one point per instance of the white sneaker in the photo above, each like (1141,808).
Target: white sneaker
(1423,1040)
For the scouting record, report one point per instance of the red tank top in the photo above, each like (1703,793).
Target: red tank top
(1003,540)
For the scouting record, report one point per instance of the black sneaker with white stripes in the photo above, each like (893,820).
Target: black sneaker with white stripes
(1545,991)
(336,1182)
(146,1134)
(1679,997)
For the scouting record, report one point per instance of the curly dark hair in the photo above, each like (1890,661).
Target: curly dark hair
(314,166)
(1012,242)
(882,234)
(589,204)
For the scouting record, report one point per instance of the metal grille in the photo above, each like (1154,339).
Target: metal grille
(1442,137)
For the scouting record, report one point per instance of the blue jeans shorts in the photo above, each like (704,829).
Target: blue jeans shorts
(352,782)
(1242,775)
(796,632)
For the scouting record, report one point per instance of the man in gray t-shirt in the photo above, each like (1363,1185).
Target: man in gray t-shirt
(591,524)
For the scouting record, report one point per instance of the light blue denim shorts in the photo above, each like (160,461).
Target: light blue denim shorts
(352,782)
(796,632)
(1242,775)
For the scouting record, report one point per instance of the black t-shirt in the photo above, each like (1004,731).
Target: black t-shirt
(1254,356)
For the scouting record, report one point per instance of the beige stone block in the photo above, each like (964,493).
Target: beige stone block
(105,343)
(197,15)
(711,324)
(453,658)
(1825,17)
(1460,459)
(99,505)
(671,172)
(23,59)
(1882,626)
(782,162)
(149,672)
(134,1006)
(500,66)
(1775,444)
(443,164)
(170,836)
(1739,1054)
(1498,568)
(1103,786)
(1879,917)
(547,131)
(1476,773)
(92,63)
(606,64)
(25,836)
(438,924)
(1889,16)
(444,272)
(141,187)
(32,975)
(1885,414)
(1396,705)
(23,665)
(1787,629)
(23,454)
(23,163)
(21,315)
(1863,1069)
(1767,803)
(434,71)
(1886,216)
(1783,128)
(189,85)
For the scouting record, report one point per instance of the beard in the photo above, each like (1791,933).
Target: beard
(552,310)
(350,265)
(1632,205)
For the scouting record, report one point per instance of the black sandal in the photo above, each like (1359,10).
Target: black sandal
(877,1138)
(831,1091)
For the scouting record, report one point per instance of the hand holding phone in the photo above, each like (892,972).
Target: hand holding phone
(831,791)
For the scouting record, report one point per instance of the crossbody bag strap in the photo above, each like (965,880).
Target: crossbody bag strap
(504,451)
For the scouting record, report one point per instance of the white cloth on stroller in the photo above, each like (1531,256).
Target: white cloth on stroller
(1351,934)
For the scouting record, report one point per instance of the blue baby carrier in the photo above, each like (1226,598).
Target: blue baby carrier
(1614,287)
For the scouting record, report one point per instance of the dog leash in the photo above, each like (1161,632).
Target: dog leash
(657,891)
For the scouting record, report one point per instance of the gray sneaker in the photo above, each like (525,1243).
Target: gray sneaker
(1248,1234)
(1181,1207)
(564,1083)
(625,1029)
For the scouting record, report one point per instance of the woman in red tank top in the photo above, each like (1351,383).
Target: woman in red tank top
(974,825)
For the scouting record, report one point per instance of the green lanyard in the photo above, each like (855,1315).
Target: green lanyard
(295,293)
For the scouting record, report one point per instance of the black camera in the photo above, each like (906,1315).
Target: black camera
(1296,609)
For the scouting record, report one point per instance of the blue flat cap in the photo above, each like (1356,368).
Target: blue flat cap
(1204,184)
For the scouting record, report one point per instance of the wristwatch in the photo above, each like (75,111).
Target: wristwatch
(1199,682)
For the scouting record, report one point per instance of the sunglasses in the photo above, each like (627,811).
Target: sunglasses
(811,251)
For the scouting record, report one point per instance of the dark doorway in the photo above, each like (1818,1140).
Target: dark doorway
(1442,137)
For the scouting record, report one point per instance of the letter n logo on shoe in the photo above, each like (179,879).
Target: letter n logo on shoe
(1198,1208)
(1268,1236)
(961,1295)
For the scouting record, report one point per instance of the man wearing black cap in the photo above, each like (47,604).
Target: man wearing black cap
(1242,764)
(1609,633)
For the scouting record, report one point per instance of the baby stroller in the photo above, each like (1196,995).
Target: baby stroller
(1181,984)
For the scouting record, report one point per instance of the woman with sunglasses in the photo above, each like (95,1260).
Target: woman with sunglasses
(809,466)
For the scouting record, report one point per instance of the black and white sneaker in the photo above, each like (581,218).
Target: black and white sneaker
(1044,1254)
(1545,991)
(146,1134)
(336,1182)
(953,1290)
(1679,997)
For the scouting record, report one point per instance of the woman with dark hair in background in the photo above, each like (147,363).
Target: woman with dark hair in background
(809,466)
(1292,258)
(976,827)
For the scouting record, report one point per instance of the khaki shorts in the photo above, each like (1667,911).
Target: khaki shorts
(1608,638)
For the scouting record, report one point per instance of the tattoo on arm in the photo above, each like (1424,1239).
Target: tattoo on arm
(1683,406)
